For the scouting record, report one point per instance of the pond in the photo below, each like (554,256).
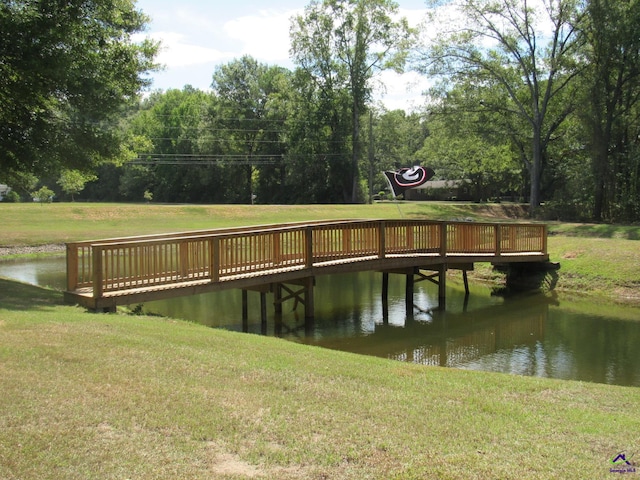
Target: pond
(544,335)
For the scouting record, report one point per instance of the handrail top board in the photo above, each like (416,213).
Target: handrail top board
(196,233)
(266,228)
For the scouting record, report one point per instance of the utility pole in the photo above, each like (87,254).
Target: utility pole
(371,156)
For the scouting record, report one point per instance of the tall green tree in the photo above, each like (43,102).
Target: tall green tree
(245,90)
(611,107)
(168,132)
(524,55)
(73,182)
(317,126)
(342,44)
(66,70)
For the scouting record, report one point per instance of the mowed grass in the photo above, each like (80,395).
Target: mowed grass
(97,396)
(38,224)
(604,266)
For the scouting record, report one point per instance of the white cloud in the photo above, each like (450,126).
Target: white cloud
(195,40)
(401,91)
(175,51)
(264,36)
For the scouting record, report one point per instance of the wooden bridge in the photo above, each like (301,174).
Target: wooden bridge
(285,259)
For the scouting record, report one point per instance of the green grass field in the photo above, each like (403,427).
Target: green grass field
(97,396)
(34,224)
(113,396)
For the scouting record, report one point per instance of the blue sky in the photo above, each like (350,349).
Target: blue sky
(198,35)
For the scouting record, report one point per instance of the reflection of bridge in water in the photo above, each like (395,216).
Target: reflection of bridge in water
(285,259)
(452,339)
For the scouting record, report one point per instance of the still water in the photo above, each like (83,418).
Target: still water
(530,334)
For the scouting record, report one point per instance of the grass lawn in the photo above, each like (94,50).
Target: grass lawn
(36,224)
(97,396)
(115,396)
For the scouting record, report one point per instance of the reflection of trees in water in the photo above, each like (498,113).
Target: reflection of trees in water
(602,350)
(469,336)
(524,335)
(452,339)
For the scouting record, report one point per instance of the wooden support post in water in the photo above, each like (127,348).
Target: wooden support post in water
(385,297)
(277,301)
(263,312)
(466,283)
(309,307)
(442,287)
(245,311)
(409,293)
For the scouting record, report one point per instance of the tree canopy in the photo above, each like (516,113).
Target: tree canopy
(342,44)
(537,99)
(522,55)
(67,68)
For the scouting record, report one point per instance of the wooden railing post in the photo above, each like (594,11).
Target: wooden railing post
(276,253)
(443,239)
(308,247)
(72,267)
(544,239)
(381,239)
(214,259)
(98,287)
(498,239)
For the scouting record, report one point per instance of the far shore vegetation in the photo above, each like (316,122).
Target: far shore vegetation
(112,396)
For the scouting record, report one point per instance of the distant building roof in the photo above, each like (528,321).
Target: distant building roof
(437,184)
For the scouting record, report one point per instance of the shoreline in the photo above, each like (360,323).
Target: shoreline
(10,251)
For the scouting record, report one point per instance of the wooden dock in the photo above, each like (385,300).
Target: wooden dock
(285,259)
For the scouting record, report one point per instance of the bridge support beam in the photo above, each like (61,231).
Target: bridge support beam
(304,295)
(245,311)
(437,276)
(263,309)
(385,297)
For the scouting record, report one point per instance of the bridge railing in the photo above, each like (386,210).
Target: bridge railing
(153,261)
(80,254)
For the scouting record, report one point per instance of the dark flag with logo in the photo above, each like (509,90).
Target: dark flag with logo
(406,178)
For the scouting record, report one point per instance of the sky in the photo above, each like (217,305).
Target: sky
(198,35)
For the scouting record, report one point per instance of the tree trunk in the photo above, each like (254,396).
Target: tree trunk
(535,171)
(355,151)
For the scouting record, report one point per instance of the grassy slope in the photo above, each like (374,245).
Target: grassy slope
(113,396)
(35,224)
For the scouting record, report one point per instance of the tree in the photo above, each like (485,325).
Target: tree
(72,182)
(168,136)
(611,106)
(66,69)
(244,89)
(342,44)
(524,55)
(43,195)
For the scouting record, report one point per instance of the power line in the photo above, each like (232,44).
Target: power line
(194,159)
(204,160)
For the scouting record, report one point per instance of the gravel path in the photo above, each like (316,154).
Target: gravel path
(24,250)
